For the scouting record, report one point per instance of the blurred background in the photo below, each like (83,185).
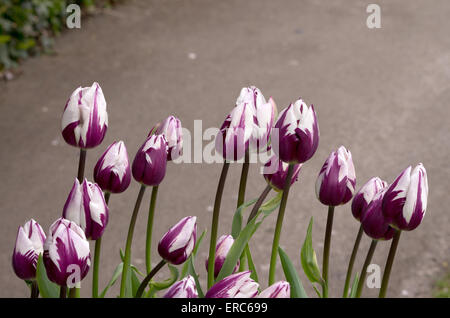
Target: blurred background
(383,93)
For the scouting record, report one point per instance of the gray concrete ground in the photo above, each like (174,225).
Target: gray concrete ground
(382,93)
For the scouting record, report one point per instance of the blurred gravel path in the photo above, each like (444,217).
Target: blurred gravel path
(382,93)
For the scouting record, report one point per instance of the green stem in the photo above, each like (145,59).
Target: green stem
(63,292)
(81,165)
(96,264)
(352,262)
(389,262)
(326,249)
(74,292)
(277,234)
(215,223)
(34,289)
(147,279)
(148,245)
(127,257)
(243,181)
(362,278)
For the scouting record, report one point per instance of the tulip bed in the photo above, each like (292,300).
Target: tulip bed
(53,264)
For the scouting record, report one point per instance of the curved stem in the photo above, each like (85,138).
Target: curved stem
(243,181)
(63,292)
(215,223)
(326,249)
(362,278)
(148,245)
(389,262)
(277,234)
(147,279)
(34,289)
(258,203)
(127,257)
(352,262)
(96,264)
(81,165)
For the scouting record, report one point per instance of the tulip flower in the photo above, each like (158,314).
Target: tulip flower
(238,285)
(277,178)
(337,179)
(298,133)
(280,289)
(264,114)
(171,129)
(86,207)
(85,120)
(66,252)
(364,196)
(149,165)
(112,171)
(178,243)
(405,201)
(374,223)
(184,288)
(29,244)
(223,246)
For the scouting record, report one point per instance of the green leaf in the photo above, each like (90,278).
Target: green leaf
(47,289)
(354,286)
(4,38)
(309,259)
(174,273)
(237,248)
(193,273)
(297,290)
(135,282)
(185,269)
(236,226)
(115,276)
(271,205)
(251,265)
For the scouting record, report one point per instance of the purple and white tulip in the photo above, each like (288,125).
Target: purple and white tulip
(173,132)
(264,115)
(85,120)
(86,207)
(277,178)
(149,165)
(373,221)
(184,288)
(248,125)
(280,289)
(364,196)
(298,133)
(112,171)
(178,243)
(66,251)
(29,244)
(405,201)
(223,246)
(238,285)
(336,182)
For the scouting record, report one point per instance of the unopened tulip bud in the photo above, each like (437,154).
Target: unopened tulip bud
(29,244)
(336,182)
(275,173)
(374,222)
(85,120)
(238,285)
(149,165)
(112,171)
(405,201)
(173,132)
(223,246)
(298,133)
(178,243)
(184,288)
(280,289)
(86,207)
(364,196)
(66,253)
